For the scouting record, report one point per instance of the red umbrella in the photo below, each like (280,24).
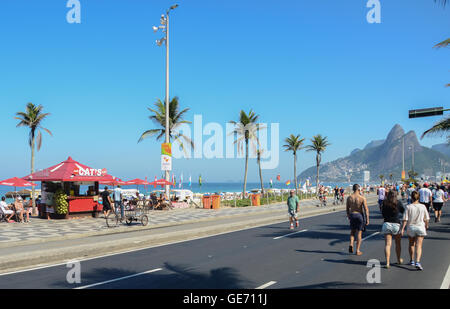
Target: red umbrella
(16,182)
(161,182)
(113,182)
(136,181)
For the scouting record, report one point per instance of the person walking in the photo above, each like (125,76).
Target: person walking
(425,196)
(416,218)
(118,204)
(293,203)
(381,196)
(107,202)
(356,207)
(409,191)
(438,202)
(391,210)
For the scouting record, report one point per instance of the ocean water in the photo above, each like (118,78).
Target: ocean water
(212,187)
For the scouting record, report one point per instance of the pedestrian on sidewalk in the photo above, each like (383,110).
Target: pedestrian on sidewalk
(118,204)
(416,218)
(107,202)
(356,207)
(409,191)
(293,203)
(391,211)
(425,196)
(381,196)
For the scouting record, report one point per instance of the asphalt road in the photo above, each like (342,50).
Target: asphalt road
(313,256)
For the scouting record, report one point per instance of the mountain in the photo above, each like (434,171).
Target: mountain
(382,157)
(442,148)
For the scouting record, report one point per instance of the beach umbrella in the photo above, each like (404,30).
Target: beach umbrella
(137,182)
(161,182)
(16,182)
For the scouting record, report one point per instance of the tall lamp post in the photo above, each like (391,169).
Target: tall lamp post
(165,29)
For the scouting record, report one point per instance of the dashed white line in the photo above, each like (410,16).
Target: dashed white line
(446,283)
(118,279)
(370,236)
(290,234)
(262,287)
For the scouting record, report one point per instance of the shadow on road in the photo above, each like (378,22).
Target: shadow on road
(332,285)
(177,277)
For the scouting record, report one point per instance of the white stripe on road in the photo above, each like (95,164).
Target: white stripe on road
(118,279)
(290,234)
(365,238)
(446,283)
(262,287)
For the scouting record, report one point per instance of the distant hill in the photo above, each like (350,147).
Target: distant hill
(381,157)
(442,148)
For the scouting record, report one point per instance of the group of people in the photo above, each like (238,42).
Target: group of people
(20,209)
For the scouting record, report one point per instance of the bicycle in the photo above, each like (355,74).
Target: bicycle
(113,219)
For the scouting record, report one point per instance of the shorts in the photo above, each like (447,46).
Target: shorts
(380,202)
(437,206)
(106,207)
(390,228)
(50,210)
(427,205)
(414,231)
(293,214)
(356,221)
(9,212)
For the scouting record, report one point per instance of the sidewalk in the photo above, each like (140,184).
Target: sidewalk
(42,241)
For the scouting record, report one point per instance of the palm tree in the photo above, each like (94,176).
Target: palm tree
(175,121)
(390,177)
(381,178)
(246,129)
(440,128)
(319,145)
(294,144)
(33,118)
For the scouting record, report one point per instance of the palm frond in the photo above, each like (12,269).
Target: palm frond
(440,128)
(442,44)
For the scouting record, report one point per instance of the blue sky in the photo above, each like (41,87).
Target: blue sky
(311,66)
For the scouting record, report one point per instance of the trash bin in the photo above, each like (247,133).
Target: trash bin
(206,201)
(256,199)
(215,201)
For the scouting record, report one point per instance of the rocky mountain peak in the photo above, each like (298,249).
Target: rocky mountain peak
(396,133)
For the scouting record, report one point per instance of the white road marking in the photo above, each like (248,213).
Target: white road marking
(262,287)
(118,279)
(290,234)
(365,238)
(446,283)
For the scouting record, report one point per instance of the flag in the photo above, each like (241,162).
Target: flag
(288,183)
(200,180)
(174,180)
(278,177)
(181,181)
(271,183)
(190,181)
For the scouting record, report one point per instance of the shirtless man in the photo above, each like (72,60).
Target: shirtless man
(356,206)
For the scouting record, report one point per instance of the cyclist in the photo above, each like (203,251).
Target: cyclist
(336,195)
(342,193)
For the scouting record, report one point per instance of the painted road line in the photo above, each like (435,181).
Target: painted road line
(370,236)
(262,287)
(118,279)
(290,234)
(446,283)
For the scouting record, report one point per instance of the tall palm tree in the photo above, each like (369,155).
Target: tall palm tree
(318,144)
(294,144)
(246,129)
(33,118)
(381,178)
(175,121)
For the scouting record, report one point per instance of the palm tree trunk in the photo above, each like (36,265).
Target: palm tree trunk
(317,177)
(246,168)
(260,173)
(32,171)
(295,173)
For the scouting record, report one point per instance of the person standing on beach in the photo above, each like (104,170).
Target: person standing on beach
(391,227)
(356,207)
(293,203)
(118,204)
(416,218)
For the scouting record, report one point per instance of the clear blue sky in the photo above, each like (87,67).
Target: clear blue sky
(312,66)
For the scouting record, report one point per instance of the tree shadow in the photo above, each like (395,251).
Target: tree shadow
(322,252)
(333,285)
(179,277)
(347,261)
